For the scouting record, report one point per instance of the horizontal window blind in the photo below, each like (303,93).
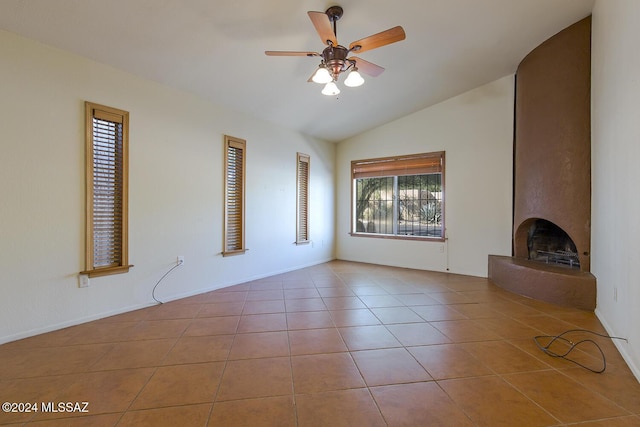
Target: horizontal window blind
(303,198)
(107,193)
(107,139)
(397,166)
(234,194)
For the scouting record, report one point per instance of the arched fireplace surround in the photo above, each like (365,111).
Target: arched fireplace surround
(552,174)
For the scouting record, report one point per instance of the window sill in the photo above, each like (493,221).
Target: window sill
(398,237)
(106,271)
(232,253)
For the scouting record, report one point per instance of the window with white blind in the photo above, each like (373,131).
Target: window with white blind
(234,195)
(107,139)
(302,202)
(399,197)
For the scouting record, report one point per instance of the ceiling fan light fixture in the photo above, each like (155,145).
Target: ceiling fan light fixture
(334,57)
(354,79)
(322,75)
(330,89)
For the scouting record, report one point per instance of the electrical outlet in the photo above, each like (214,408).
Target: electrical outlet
(83,280)
(441,248)
(180,260)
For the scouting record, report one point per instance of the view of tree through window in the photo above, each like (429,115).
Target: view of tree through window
(403,203)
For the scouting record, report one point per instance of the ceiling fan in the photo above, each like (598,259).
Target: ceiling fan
(334,57)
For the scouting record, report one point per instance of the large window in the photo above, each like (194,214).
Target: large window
(400,196)
(302,202)
(234,195)
(107,139)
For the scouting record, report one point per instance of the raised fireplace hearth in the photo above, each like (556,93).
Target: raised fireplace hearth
(552,174)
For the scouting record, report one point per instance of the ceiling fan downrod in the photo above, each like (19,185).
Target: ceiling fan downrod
(334,13)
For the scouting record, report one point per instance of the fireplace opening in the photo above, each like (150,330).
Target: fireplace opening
(550,244)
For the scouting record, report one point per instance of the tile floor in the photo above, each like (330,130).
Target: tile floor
(339,344)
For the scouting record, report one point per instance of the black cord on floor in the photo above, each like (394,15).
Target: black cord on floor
(572,346)
(153,293)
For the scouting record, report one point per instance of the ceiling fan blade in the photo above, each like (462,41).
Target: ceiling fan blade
(384,38)
(322,23)
(367,67)
(289,53)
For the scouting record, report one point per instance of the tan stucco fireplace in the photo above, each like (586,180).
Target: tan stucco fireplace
(552,175)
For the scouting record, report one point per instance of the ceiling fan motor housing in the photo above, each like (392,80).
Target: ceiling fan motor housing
(335,58)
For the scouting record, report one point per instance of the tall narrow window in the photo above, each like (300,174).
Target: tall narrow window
(400,196)
(234,203)
(302,203)
(107,140)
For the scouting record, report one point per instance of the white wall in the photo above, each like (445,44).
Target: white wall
(615,211)
(176,191)
(475,130)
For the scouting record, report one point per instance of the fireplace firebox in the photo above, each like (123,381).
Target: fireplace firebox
(550,244)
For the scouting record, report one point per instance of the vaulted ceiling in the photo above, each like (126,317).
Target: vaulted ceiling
(215,49)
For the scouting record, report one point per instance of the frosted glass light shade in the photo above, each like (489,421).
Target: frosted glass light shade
(354,79)
(330,89)
(322,75)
